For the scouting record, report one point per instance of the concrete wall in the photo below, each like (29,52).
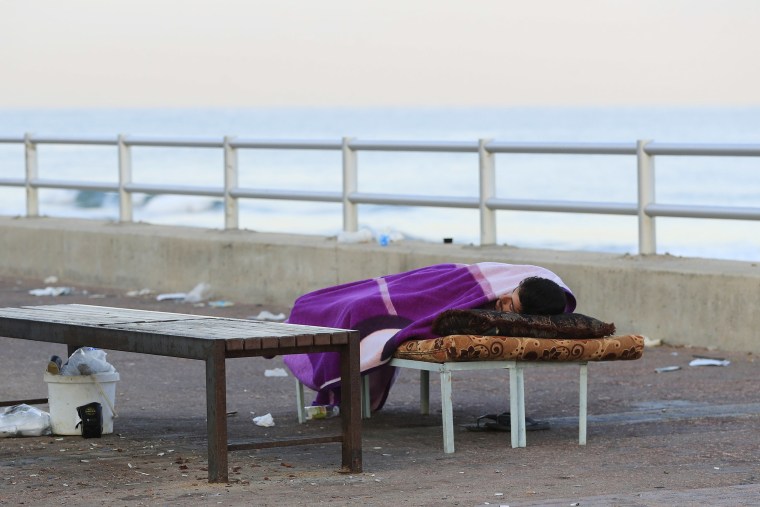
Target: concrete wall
(681,301)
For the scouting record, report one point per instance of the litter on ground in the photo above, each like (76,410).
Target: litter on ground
(665,369)
(264,420)
(706,361)
(141,292)
(266,315)
(220,304)
(52,291)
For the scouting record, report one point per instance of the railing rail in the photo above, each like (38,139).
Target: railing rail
(644,151)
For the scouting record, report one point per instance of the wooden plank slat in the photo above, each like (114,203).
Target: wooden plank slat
(270,343)
(234,344)
(252,343)
(304,340)
(322,339)
(287,341)
(339,338)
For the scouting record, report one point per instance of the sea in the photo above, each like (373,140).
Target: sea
(709,181)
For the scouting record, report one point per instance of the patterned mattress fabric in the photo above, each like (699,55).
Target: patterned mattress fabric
(506,348)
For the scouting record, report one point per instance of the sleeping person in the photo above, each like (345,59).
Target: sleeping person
(391,309)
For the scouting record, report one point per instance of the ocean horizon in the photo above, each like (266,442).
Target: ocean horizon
(714,181)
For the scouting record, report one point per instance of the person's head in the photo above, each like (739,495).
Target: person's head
(535,296)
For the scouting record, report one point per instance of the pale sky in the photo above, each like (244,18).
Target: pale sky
(237,53)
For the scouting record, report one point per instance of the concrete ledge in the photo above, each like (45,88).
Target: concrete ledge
(700,302)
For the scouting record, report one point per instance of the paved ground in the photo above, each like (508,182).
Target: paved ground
(687,437)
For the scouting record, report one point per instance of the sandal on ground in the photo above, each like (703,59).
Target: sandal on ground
(484,422)
(501,422)
(530,425)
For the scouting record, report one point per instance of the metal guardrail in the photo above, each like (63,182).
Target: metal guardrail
(646,208)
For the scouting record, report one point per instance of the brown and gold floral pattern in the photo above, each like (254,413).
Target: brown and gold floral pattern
(505,348)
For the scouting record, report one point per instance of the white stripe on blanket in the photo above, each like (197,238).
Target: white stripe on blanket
(383,286)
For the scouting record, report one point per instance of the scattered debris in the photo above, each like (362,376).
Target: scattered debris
(652,342)
(24,421)
(220,304)
(52,291)
(136,293)
(264,420)
(173,296)
(321,411)
(266,315)
(708,361)
(199,293)
(665,369)
(86,361)
(366,235)
(360,236)
(52,279)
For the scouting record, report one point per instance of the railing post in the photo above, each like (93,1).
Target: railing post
(230,182)
(350,185)
(487,191)
(125,178)
(646,196)
(32,194)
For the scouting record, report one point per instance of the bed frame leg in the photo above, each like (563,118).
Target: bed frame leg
(582,405)
(447,414)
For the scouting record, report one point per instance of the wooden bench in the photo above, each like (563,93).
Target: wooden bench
(209,339)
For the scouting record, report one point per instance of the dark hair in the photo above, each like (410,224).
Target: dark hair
(541,296)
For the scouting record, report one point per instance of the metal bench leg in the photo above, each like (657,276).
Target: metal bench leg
(424,392)
(582,406)
(447,412)
(216,414)
(350,406)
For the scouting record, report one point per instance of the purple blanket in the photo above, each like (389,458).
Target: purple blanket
(392,309)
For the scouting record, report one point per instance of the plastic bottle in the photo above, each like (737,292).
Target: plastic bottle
(321,411)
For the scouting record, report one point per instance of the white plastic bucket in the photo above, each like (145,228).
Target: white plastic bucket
(67,392)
